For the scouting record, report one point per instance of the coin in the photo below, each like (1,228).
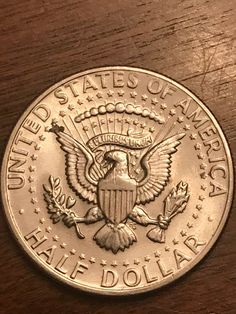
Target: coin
(117,180)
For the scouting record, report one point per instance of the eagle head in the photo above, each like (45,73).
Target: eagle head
(115,157)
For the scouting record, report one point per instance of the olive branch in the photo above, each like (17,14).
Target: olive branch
(174,204)
(59,205)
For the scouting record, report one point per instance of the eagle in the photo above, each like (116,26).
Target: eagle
(110,185)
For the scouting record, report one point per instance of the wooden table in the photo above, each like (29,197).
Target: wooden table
(193,42)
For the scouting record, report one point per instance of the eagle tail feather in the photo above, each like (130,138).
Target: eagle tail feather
(115,237)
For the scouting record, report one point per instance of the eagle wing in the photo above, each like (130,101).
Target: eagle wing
(82,171)
(156,169)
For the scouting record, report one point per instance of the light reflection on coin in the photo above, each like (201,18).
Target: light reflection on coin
(117,180)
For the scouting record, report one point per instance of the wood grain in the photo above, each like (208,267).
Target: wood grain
(193,42)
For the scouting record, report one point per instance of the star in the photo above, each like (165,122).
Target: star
(102,121)
(79,102)
(187,127)
(99,95)
(157,254)
(34,200)
(203,166)
(163,106)
(32,190)
(42,138)
(199,207)
(195,216)
(48,229)
(154,101)
(34,157)
(103,263)
(30,179)
(180,119)
(63,245)
(133,94)
(72,252)
(136,261)
(189,225)
(147,258)
(54,121)
(89,98)
(200,156)
(21,211)
(71,107)
(144,97)
(120,93)
(119,119)
(143,125)
(197,146)
(126,264)
(203,175)
(37,147)
(55,238)
(82,256)
(135,122)
(203,187)
(152,129)
(62,114)
(114,264)
(42,220)
(175,242)
(172,112)
(193,136)
(201,198)
(37,210)
(110,93)
(92,260)
(210,219)
(47,128)
(183,233)
(110,120)
(167,249)
(94,125)
(85,128)
(32,168)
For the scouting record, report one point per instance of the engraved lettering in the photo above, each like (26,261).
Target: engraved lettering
(20,151)
(21,138)
(149,279)
(61,263)
(180,257)
(132,277)
(71,86)
(103,79)
(132,81)
(168,90)
(79,268)
(118,79)
(196,117)
(193,243)
(88,84)
(16,165)
(18,181)
(42,112)
(217,189)
(184,104)
(109,278)
(164,272)
(218,169)
(155,86)
(59,94)
(35,236)
(49,253)
(31,126)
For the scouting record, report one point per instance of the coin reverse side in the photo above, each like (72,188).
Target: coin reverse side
(117,180)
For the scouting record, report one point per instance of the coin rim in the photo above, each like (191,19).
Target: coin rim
(88,288)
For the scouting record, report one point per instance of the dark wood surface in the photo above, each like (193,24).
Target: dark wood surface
(193,42)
